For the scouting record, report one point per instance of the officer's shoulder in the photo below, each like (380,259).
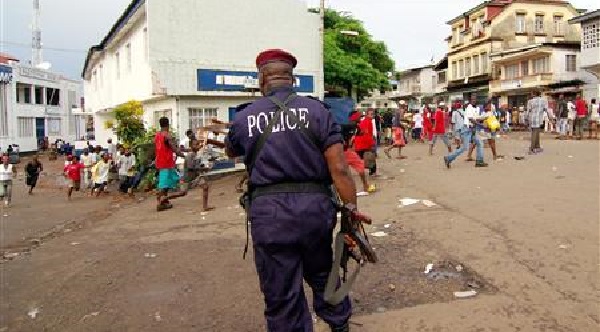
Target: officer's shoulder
(317,101)
(242,107)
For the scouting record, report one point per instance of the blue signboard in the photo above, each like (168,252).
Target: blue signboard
(5,74)
(225,80)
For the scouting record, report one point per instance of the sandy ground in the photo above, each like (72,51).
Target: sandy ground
(525,233)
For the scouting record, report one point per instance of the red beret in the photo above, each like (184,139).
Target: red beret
(273,55)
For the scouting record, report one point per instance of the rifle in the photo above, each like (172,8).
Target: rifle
(350,242)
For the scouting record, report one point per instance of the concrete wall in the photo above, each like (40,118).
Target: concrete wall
(504,24)
(186,35)
(590,56)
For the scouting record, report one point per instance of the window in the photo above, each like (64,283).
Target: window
(52,97)
(54,126)
(461,68)
(118,64)
(441,77)
(460,34)
(476,65)
(146,43)
(201,117)
(539,23)
(468,67)
(95,79)
(520,23)
(540,65)
(484,62)
(558,25)
(455,36)
(434,80)
(511,72)
(166,113)
(571,62)
(591,36)
(524,68)
(128,47)
(454,70)
(101,75)
(23,93)
(39,95)
(25,127)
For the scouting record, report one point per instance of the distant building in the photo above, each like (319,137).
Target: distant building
(529,40)
(441,80)
(36,103)
(416,86)
(193,61)
(590,51)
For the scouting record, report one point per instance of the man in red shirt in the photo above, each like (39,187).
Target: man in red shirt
(439,129)
(427,125)
(364,142)
(168,178)
(73,175)
(581,110)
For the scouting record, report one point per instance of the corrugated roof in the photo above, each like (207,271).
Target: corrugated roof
(585,17)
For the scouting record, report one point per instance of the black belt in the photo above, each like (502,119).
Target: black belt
(290,187)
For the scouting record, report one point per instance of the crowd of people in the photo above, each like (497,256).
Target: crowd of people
(95,169)
(462,127)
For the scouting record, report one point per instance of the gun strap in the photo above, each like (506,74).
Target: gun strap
(333,294)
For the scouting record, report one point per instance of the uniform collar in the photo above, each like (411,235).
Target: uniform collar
(282,89)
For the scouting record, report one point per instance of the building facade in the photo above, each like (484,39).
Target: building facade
(590,51)
(499,27)
(35,104)
(187,61)
(416,86)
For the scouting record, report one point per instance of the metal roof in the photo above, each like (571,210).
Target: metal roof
(585,17)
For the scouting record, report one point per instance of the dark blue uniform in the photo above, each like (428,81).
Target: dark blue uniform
(291,232)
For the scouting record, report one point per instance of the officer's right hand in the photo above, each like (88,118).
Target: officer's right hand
(357,216)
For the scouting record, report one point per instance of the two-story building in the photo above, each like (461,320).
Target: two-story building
(590,51)
(539,50)
(416,86)
(190,62)
(35,104)
(506,48)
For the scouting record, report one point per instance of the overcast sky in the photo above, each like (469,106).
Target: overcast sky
(414,30)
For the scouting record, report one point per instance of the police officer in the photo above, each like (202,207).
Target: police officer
(293,154)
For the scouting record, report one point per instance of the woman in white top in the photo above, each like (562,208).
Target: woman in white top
(7,172)
(594,119)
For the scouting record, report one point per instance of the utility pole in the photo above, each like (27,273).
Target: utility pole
(322,49)
(36,36)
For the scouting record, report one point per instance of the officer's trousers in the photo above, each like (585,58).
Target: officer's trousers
(292,237)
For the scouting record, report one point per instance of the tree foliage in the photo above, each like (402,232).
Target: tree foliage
(353,61)
(128,124)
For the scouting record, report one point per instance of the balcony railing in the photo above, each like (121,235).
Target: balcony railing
(523,82)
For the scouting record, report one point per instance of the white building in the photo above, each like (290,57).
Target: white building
(590,50)
(193,61)
(416,86)
(36,103)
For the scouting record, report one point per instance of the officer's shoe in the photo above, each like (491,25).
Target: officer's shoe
(343,328)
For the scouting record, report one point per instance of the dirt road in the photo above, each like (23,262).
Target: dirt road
(523,234)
